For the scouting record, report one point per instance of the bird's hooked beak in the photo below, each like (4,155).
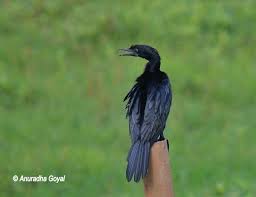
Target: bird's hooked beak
(127,52)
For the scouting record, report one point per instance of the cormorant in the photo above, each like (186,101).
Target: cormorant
(148,106)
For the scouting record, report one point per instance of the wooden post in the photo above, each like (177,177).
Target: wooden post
(158,182)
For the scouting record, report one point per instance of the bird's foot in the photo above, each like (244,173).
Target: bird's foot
(161,138)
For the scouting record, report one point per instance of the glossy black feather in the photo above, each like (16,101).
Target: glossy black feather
(132,161)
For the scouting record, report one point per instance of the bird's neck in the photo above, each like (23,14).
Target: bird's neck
(152,66)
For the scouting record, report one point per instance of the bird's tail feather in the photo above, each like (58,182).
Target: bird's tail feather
(138,159)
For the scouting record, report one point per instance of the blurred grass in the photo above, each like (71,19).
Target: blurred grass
(62,84)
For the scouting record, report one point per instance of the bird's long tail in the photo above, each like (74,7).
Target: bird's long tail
(138,159)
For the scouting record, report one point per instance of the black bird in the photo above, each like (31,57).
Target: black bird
(148,106)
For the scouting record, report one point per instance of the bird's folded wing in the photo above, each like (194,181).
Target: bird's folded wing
(157,108)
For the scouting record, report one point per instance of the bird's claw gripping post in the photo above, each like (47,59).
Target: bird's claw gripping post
(162,139)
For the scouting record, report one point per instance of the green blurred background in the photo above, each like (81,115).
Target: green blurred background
(62,85)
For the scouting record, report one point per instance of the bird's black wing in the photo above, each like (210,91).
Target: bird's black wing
(134,111)
(159,98)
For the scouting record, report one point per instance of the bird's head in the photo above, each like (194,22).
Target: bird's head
(143,51)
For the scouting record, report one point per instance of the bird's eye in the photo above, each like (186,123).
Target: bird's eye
(137,50)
